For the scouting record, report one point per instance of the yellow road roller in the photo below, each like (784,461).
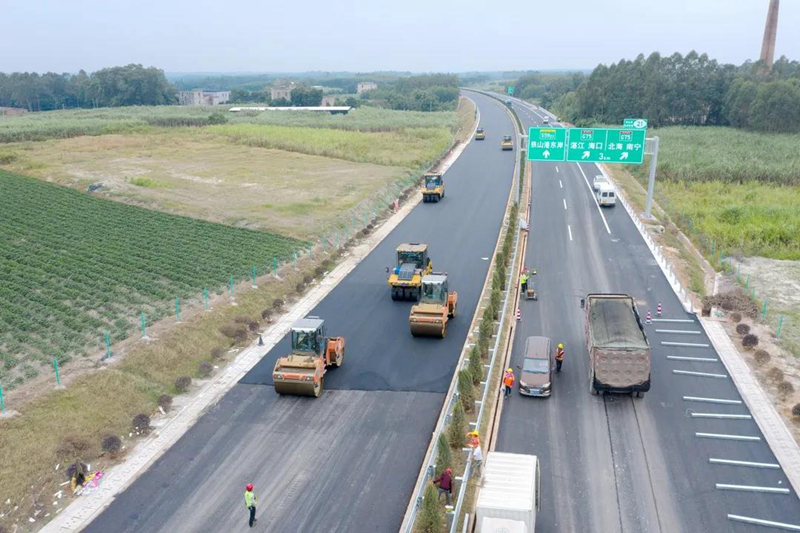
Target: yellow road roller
(405,279)
(437,305)
(432,188)
(302,372)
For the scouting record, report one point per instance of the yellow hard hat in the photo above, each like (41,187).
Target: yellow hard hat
(475,432)
(509,370)
(560,345)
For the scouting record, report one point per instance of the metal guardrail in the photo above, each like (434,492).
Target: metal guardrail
(430,466)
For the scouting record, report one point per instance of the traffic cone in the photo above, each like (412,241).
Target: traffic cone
(658,309)
(260,341)
(647,319)
(396,205)
(519,315)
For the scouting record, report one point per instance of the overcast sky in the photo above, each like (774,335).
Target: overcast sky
(415,35)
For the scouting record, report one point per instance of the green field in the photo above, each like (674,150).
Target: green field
(75,266)
(76,122)
(736,189)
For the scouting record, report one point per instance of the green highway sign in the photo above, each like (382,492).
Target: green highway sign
(635,123)
(547,144)
(511,89)
(602,145)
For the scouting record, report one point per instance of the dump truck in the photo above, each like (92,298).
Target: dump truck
(432,187)
(619,353)
(405,279)
(507,143)
(510,490)
(436,307)
(302,372)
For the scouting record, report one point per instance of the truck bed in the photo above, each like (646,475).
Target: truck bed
(614,325)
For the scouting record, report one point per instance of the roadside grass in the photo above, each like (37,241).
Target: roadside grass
(409,148)
(205,176)
(105,401)
(76,122)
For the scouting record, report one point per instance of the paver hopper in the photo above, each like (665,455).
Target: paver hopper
(302,372)
(430,316)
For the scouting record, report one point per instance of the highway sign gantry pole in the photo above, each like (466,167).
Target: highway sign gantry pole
(651,181)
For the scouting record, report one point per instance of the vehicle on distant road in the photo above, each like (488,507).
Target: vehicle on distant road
(302,372)
(432,187)
(536,376)
(436,307)
(606,196)
(619,353)
(508,103)
(507,143)
(546,121)
(405,278)
(510,491)
(480,134)
(597,181)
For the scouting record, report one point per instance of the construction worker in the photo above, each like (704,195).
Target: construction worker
(524,282)
(559,357)
(250,503)
(477,454)
(445,483)
(508,382)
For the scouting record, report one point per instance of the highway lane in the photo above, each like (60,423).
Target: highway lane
(614,463)
(347,461)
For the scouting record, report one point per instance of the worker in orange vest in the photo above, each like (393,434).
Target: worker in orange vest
(508,382)
(559,357)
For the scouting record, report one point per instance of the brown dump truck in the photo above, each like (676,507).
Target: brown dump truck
(619,354)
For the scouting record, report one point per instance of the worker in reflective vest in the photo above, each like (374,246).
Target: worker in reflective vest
(508,382)
(559,357)
(524,282)
(250,503)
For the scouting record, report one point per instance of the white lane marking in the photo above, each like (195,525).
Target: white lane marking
(726,437)
(687,320)
(699,359)
(560,184)
(760,522)
(570,232)
(750,488)
(565,204)
(689,344)
(719,415)
(731,462)
(678,331)
(711,400)
(556,169)
(700,374)
(591,191)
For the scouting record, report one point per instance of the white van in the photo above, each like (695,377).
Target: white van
(606,195)
(511,491)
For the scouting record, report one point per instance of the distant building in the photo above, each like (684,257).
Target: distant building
(366,86)
(328,100)
(200,97)
(8,111)
(282,91)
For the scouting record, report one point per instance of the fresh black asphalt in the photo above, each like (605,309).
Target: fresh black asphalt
(615,463)
(347,461)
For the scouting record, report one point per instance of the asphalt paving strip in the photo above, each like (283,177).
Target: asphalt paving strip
(353,455)
(660,470)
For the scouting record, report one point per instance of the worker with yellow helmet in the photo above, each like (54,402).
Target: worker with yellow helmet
(559,357)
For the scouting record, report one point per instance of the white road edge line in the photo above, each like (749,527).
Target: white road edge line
(711,400)
(750,488)
(591,191)
(570,232)
(731,462)
(760,522)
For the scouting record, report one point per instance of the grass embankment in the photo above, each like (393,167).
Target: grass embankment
(76,267)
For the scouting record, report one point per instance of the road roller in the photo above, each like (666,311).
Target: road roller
(302,372)
(432,187)
(436,306)
(405,279)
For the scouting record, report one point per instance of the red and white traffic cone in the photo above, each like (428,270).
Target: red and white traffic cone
(519,315)
(396,205)
(647,318)
(658,309)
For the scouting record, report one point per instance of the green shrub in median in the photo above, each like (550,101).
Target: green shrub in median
(466,390)
(444,456)
(457,430)
(475,365)
(430,518)
(495,300)
(486,328)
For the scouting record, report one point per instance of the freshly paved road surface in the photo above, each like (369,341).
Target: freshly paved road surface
(347,461)
(616,463)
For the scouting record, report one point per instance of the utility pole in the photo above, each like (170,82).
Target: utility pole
(651,182)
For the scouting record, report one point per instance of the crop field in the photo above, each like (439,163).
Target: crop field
(77,122)
(736,189)
(75,266)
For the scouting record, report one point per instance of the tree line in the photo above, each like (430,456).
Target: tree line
(684,90)
(108,87)
(427,92)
